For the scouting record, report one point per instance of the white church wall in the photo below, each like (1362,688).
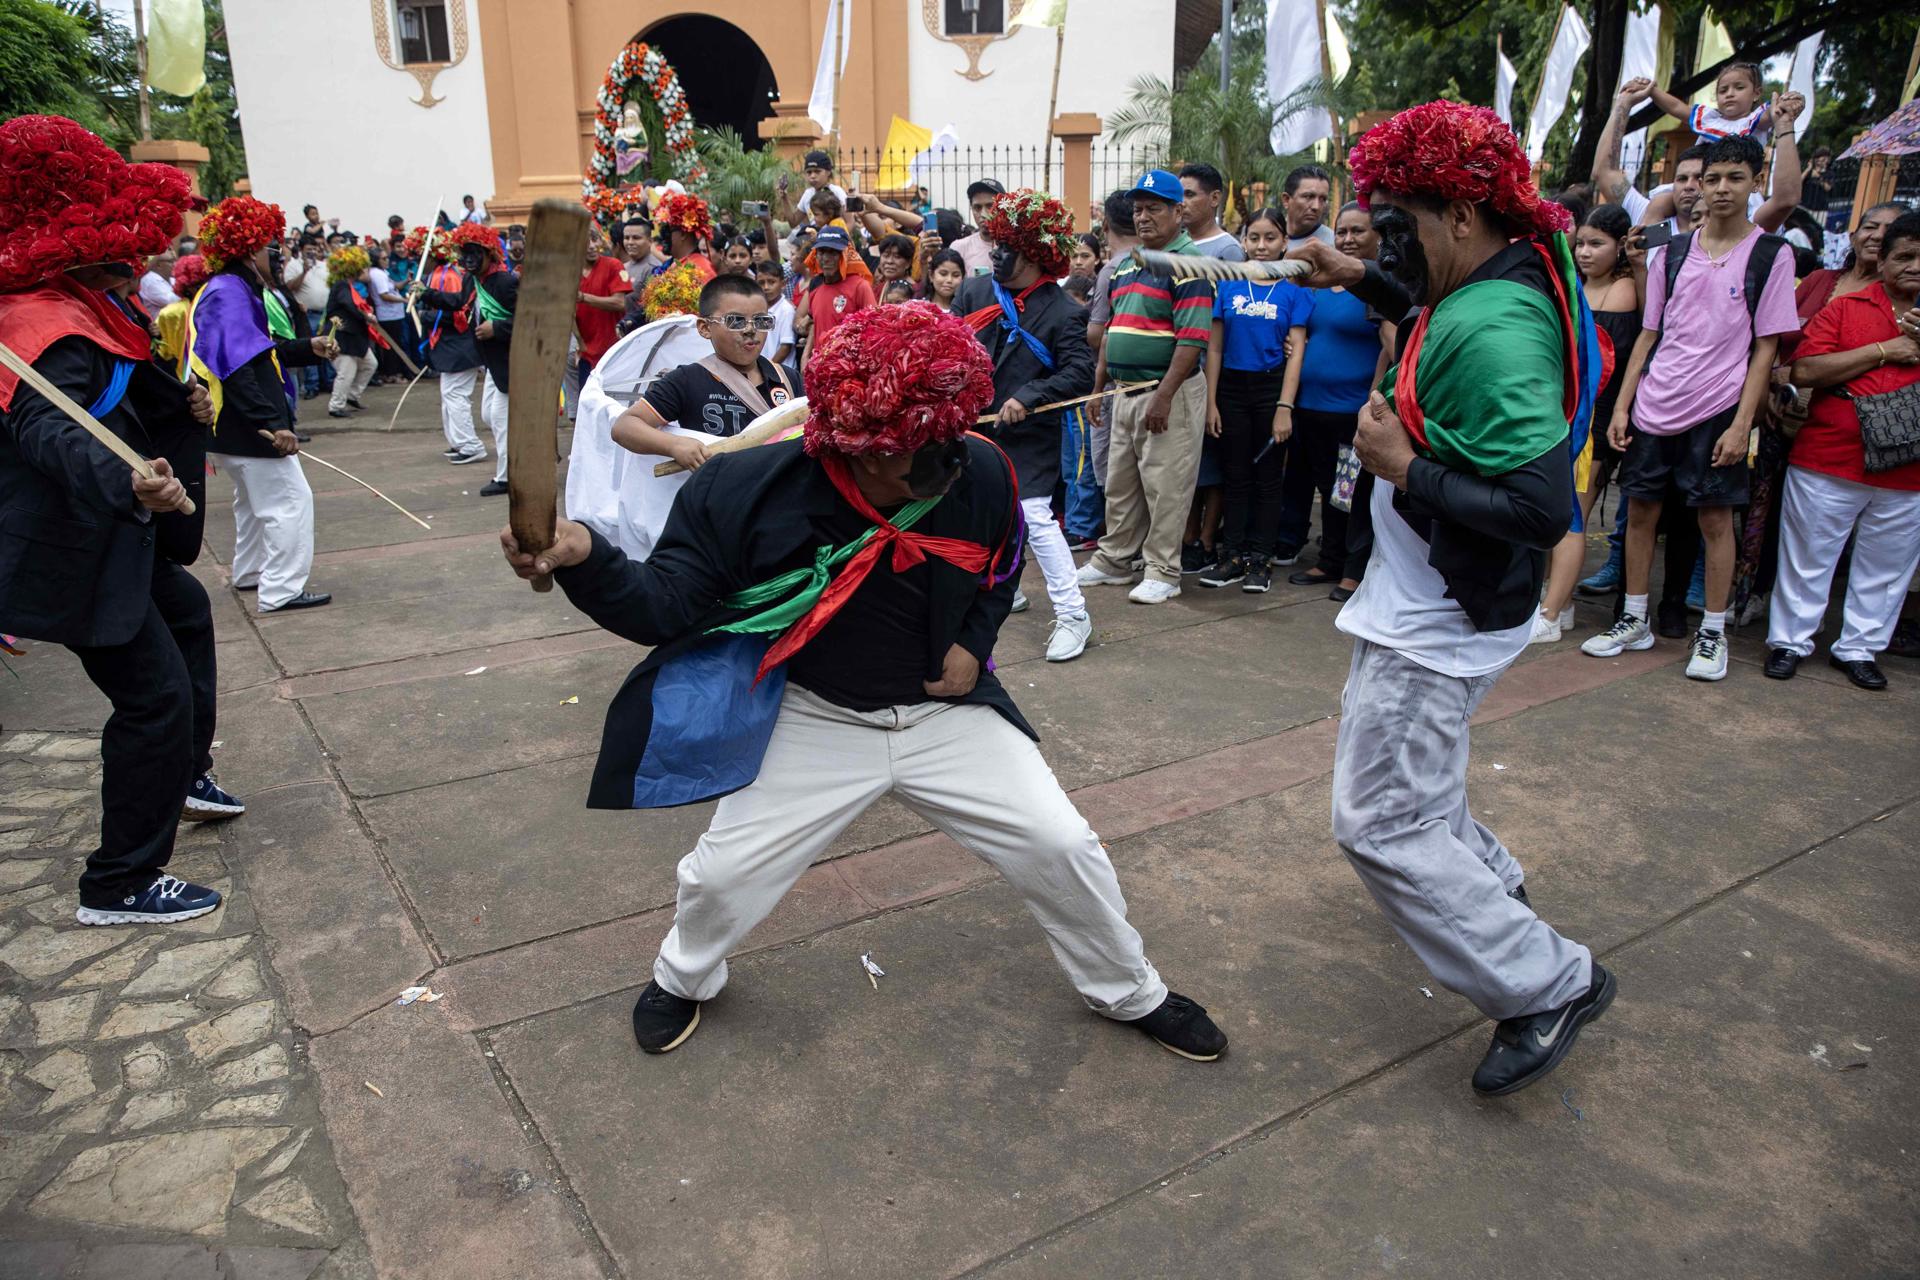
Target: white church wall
(326,122)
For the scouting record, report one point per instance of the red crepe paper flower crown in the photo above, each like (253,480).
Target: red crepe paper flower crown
(416,242)
(189,273)
(239,227)
(688,213)
(1451,151)
(67,199)
(471,233)
(1035,225)
(890,380)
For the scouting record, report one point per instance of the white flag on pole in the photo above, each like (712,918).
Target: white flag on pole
(1800,80)
(1293,64)
(1504,78)
(1570,41)
(825,82)
(1640,56)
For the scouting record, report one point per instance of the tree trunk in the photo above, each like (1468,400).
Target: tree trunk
(1603,74)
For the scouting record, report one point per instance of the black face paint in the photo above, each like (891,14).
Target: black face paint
(936,467)
(1401,256)
(1006,263)
(472,258)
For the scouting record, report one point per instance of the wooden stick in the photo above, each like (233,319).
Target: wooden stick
(403,398)
(314,457)
(1117,389)
(1197,266)
(64,403)
(426,259)
(537,368)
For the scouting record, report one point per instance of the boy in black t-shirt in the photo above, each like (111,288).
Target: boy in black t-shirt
(719,395)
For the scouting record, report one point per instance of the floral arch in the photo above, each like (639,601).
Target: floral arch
(642,132)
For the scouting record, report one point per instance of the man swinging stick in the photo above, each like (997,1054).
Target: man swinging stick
(882,548)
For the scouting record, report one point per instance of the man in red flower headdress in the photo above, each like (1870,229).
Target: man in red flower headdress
(1037,337)
(877,556)
(482,304)
(1472,441)
(92,555)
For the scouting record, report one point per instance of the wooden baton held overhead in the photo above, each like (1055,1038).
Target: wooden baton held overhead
(65,404)
(537,369)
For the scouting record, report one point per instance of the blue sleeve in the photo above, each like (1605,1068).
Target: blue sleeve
(1220,300)
(1302,305)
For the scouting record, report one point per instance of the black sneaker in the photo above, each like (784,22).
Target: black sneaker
(493,488)
(166,899)
(1181,1026)
(1524,1049)
(206,802)
(662,1021)
(1286,556)
(1259,579)
(1195,558)
(1229,571)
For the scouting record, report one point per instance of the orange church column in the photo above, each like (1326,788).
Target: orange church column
(527,49)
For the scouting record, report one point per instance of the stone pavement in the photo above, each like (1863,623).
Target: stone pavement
(241,1096)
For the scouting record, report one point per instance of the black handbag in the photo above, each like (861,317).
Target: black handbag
(1889,426)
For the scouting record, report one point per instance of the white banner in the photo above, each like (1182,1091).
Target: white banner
(1570,41)
(1504,78)
(1800,80)
(1639,57)
(1294,63)
(825,83)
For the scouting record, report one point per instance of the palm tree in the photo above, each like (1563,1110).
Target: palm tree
(735,172)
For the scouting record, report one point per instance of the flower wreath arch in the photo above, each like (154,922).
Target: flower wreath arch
(643,72)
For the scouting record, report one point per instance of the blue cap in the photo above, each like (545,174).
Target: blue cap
(831,238)
(1161,185)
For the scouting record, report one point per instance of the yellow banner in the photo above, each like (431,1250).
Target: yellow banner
(905,140)
(177,46)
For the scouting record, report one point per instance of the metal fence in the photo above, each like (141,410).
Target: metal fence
(946,175)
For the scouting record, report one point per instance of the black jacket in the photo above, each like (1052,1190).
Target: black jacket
(504,287)
(452,349)
(76,550)
(741,519)
(352,333)
(1060,324)
(1487,536)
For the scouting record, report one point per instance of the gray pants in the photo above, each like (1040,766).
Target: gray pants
(1400,815)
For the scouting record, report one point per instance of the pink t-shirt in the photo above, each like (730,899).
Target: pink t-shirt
(1701,363)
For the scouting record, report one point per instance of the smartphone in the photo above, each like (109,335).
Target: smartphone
(754,208)
(856,204)
(1655,236)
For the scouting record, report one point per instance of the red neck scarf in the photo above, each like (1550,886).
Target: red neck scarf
(985,316)
(31,320)
(375,334)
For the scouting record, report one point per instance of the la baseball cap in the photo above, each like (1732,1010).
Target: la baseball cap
(1161,185)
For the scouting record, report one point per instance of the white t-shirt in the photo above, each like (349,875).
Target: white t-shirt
(1323,233)
(379,282)
(1222,246)
(806,197)
(311,293)
(1402,604)
(155,291)
(782,335)
(476,214)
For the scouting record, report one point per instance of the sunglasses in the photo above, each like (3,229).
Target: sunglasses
(763,322)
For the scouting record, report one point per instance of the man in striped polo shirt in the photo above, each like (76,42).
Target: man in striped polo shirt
(1159,330)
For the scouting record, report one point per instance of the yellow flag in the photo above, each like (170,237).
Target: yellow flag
(177,46)
(1041,13)
(1715,45)
(905,140)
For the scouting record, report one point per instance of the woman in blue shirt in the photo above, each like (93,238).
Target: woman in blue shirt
(1343,359)
(1250,391)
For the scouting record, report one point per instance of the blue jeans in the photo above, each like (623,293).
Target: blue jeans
(317,377)
(1086,502)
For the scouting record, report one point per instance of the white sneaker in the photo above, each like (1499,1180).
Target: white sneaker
(1153,591)
(1068,638)
(1628,633)
(1709,660)
(1566,618)
(1092,577)
(1020,601)
(1545,630)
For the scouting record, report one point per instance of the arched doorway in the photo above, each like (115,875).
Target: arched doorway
(728,81)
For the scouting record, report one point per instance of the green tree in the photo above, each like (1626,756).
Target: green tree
(736,172)
(46,62)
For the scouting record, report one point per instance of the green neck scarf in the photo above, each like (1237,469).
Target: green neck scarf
(781,601)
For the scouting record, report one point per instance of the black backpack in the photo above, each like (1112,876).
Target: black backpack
(1759,266)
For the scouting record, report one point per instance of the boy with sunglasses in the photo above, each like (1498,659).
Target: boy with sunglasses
(718,394)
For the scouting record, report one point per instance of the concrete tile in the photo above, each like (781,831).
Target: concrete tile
(263,743)
(463,616)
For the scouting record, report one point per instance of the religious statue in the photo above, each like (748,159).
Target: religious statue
(629,141)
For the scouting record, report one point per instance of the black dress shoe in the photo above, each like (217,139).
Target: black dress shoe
(339,413)
(1310,578)
(1781,664)
(353,402)
(1519,894)
(493,488)
(662,1021)
(1182,1026)
(1670,619)
(1906,639)
(1340,595)
(1864,673)
(1525,1049)
(305,600)
(303,437)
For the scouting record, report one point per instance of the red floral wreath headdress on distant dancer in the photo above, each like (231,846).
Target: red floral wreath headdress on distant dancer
(472,233)
(239,227)
(890,380)
(1451,151)
(189,273)
(686,212)
(416,243)
(67,199)
(1035,225)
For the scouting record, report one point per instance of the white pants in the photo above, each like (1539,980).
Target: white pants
(962,768)
(272,527)
(493,408)
(351,374)
(1816,515)
(456,410)
(1048,547)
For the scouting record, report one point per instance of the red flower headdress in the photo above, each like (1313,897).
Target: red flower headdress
(1452,151)
(67,199)
(891,379)
(416,242)
(189,273)
(239,227)
(1035,225)
(687,212)
(470,233)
